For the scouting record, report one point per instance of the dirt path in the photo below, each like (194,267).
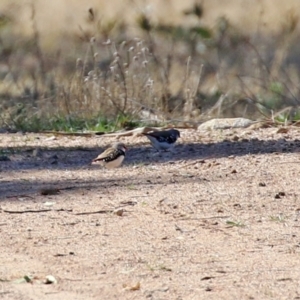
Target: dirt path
(218,219)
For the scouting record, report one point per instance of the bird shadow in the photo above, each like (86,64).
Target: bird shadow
(74,158)
(226,148)
(20,190)
(70,158)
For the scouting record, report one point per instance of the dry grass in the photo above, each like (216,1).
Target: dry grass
(72,67)
(57,16)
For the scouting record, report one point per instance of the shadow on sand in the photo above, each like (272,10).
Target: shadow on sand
(75,157)
(24,160)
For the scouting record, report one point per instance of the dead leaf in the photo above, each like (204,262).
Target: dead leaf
(283,130)
(119,212)
(135,287)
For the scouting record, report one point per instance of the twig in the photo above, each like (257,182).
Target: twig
(22,196)
(36,38)
(287,162)
(212,217)
(86,134)
(195,162)
(102,211)
(136,131)
(25,211)
(112,100)
(198,83)
(62,237)
(130,203)
(34,211)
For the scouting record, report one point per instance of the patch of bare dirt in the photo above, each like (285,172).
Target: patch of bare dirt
(217,219)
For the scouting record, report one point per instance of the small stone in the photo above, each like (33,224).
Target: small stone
(50,279)
(119,212)
(279,195)
(225,123)
(37,152)
(51,138)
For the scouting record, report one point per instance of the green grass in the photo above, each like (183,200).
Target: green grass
(63,123)
(280,218)
(235,223)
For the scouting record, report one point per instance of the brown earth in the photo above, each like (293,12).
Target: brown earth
(218,219)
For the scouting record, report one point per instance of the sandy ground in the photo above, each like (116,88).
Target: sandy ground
(217,219)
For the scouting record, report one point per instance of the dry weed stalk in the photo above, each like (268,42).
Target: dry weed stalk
(135,78)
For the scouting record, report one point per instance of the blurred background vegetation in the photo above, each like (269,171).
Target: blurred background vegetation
(105,65)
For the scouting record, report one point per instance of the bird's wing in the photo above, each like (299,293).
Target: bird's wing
(157,134)
(109,155)
(162,136)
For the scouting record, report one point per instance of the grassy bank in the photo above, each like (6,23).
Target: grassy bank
(110,71)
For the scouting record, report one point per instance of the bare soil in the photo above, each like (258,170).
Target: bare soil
(216,219)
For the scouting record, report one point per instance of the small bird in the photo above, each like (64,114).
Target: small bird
(163,140)
(112,157)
